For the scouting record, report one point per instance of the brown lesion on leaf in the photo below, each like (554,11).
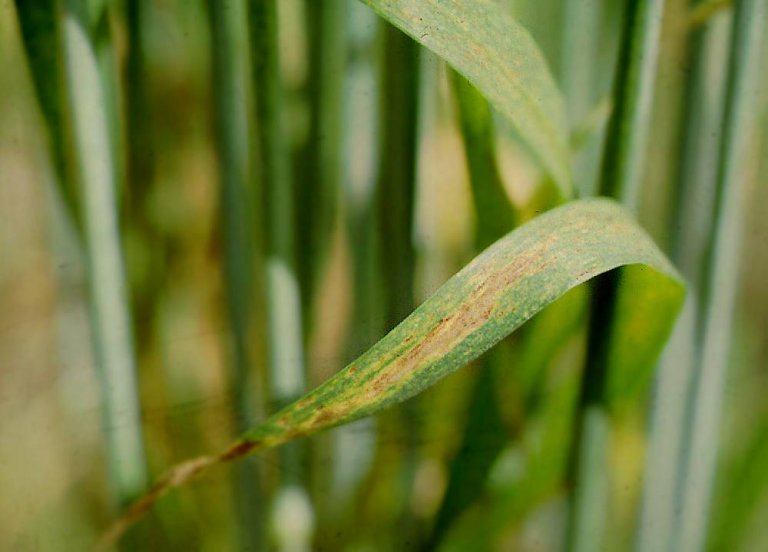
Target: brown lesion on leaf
(303,403)
(471,315)
(239,449)
(324,416)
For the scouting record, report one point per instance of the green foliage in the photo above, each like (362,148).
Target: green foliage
(316,126)
(498,56)
(491,297)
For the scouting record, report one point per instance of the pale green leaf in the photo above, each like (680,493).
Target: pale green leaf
(482,42)
(504,286)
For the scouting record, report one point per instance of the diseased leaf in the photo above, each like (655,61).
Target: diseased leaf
(493,295)
(482,42)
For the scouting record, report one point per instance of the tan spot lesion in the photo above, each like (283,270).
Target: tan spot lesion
(446,334)
(472,314)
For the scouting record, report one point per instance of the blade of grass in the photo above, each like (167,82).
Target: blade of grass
(360,197)
(104,47)
(744,485)
(318,198)
(41,36)
(238,205)
(480,41)
(718,292)
(396,188)
(633,96)
(319,190)
(397,171)
(484,434)
(95,172)
(284,312)
(541,340)
(355,459)
(580,45)
(140,172)
(620,179)
(693,203)
(530,470)
(580,35)
(487,300)
(494,213)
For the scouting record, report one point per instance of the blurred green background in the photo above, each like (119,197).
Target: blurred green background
(378,484)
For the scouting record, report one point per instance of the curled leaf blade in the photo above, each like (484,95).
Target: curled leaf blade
(482,42)
(502,288)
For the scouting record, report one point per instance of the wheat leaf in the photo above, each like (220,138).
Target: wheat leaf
(483,43)
(493,295)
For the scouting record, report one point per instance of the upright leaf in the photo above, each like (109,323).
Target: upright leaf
(41,36)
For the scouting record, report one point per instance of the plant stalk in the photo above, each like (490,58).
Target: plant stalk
(287,377)
(94,170)
(317,203)
(41,34)
(693,203)
(238,205)
(721,278)
(394,202)
(485,434)
(621,175)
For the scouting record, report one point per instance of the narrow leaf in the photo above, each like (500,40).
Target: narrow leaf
(483,43)
(493,295)
(41,36)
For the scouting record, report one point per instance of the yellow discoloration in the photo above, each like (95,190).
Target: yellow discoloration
(474,312)
(500,289)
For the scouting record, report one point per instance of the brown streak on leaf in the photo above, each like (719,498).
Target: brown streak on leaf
(238,449)
(475,310)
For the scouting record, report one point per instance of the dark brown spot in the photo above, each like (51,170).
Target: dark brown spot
(238,450)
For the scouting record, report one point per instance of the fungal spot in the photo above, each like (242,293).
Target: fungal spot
(238,450)
(473,314)
(324,415)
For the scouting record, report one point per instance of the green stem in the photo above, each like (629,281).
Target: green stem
(629,125)
(620,179)
(580,46)
(317,203)
(693,203)
(395,201)
(231,69)
(353,455)
(41,35)
(95,172)
(287,378)
(147,291)
(719,288)
(494,213)
(744,486)
(485,434)
(397,171)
